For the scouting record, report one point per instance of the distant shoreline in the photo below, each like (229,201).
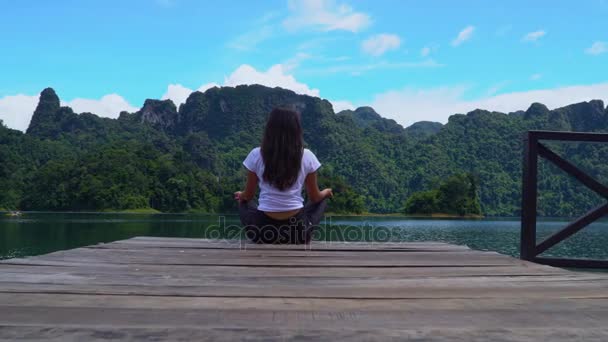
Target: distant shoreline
(151,211)
(435,215)
(5,212)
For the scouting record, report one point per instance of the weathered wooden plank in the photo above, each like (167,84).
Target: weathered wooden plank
(190,289)
(139,279)
(298,255)
(185,252)
(196,272)
(488,318)
(291,304)
(229,243)
(280,266)
(259,247)
(275,258)
(395,290)
(232,333)
(349,243)
(267,262)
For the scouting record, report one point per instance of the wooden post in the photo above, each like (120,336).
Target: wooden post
(527,249)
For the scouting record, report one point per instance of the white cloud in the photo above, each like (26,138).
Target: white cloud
(337,59)
(324,15)
(428,50)
(597,48)
(278,76)
(410,105)
(379,44)
(342,105)
(425,51)
(264,29)
(319,43)
(534,36)
(16,111)
(536,77)
(108,106)
(495,88)
(275,76)
(295,61)
(250,40)
(463,35)
(178,93)
(358,69)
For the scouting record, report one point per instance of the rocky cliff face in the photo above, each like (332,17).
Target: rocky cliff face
(581,117)
(367,117)
(221,112)
(536,110)
(423,129)
(584,116)
(160,114)
(45,113)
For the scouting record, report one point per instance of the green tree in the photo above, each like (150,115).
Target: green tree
(457,195)
(423,202)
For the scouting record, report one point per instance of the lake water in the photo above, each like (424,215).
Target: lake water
(39,233)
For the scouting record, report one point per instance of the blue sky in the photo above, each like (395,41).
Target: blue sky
(411,60)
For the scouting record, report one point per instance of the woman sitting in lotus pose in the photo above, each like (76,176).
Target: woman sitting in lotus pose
(281,167)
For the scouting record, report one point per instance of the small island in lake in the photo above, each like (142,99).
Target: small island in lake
(456,196)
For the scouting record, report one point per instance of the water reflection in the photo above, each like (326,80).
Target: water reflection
(39,233)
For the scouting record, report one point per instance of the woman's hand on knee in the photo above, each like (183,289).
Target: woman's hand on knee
(327,193)
(238,197)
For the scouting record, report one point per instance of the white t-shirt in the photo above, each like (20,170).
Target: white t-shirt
(272,199)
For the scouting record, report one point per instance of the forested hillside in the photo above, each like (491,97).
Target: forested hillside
(189,158)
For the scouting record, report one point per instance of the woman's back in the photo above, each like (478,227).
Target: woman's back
(273,199)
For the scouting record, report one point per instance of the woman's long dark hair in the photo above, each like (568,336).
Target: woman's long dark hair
(282,148)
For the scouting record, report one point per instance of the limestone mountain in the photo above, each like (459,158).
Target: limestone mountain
(423,129)
(160,114)
(367,117)
(189,158)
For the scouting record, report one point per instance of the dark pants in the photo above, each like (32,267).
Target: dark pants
(297,229)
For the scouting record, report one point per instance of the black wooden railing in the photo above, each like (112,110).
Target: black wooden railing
(529,249)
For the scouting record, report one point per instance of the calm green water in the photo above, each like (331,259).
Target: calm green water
(39,233)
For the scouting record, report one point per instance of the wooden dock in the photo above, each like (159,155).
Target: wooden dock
(197,290)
